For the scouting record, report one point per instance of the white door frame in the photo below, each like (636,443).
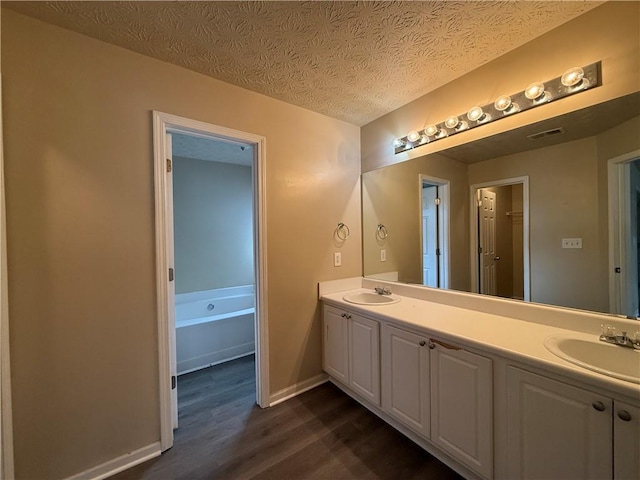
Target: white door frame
(525,229)
(162,124)
(443,227)
(618,173)
(6,417)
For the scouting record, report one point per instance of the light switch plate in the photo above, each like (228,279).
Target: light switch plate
(383,255)
(337,259)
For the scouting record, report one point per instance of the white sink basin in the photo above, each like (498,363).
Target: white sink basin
(614,361)
(369,298)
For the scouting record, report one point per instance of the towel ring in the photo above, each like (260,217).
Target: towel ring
(342,232)
(382,232)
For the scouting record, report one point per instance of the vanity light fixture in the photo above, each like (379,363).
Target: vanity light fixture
(431,130)
(535,91)
(572,81)
(476,114)
(504,104)
(413,136)
(574,77)
(451,122)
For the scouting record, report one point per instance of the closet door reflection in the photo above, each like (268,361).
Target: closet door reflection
(499,241)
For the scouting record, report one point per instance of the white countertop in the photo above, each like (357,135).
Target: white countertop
(510,338)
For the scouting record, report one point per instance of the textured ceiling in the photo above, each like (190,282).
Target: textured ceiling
(214,150)
(355,61)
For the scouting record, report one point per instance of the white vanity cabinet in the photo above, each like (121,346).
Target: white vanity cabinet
(626,441)
(351,351)
(462,405)
(335,348)
(364,357)
(405,378)
(555,430)
(442,392)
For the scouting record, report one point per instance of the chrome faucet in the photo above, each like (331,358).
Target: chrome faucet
(609,335)
(382,290)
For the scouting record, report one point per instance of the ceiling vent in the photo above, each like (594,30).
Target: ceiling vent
(546,133)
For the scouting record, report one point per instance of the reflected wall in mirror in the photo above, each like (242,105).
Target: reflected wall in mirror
(579,173)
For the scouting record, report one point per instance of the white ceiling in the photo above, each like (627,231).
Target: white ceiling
(211,149)
(354,61)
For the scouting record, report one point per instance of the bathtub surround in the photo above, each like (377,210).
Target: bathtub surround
(214,326)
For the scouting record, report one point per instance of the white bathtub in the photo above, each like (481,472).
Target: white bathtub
(214,326)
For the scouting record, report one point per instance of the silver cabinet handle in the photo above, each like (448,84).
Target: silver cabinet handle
(599,406)
(422,343)
(448,346)
(624,415)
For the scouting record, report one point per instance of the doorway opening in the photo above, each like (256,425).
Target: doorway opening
(624,234)
(211,270)
(500,238)
(434,231)
(213,251)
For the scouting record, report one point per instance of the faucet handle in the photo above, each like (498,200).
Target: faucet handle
(607,330)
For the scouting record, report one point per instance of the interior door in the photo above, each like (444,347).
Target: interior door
(171,293)
(429,236)
(487,240)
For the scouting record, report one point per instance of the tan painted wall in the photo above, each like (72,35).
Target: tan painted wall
(213,225)
(80,214)
(391,196)
(563,203)
(609,33)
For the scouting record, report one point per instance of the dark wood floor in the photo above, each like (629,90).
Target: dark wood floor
(321,434)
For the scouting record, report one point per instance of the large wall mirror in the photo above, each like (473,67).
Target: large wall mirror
(547,213)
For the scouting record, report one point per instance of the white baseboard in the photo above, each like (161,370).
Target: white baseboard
(297,389)
(195,369)
(214,358)
(119,464)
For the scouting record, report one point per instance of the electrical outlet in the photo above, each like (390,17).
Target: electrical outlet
(383,255)
(337,259)
(571,243)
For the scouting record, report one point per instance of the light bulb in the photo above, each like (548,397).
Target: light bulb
(431,130)
(451,122)
(534,91)
(413,136)
(424,139)
(475,114)
(572,77)
(502,103)
(398,142)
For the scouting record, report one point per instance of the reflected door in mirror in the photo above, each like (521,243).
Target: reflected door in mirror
(430,274)
(487,250)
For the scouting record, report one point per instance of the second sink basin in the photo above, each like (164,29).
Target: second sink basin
(614,361)
(369,298)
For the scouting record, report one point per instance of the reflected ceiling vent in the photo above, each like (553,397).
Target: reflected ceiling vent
(546,133)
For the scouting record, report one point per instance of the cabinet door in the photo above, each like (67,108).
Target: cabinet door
(555,430)
(405,378)
(462,405)
(364,357)
(626,441)
(335,349)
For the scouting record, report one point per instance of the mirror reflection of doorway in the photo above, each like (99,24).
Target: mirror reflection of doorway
(627,246)
(434,231)
(499,239)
